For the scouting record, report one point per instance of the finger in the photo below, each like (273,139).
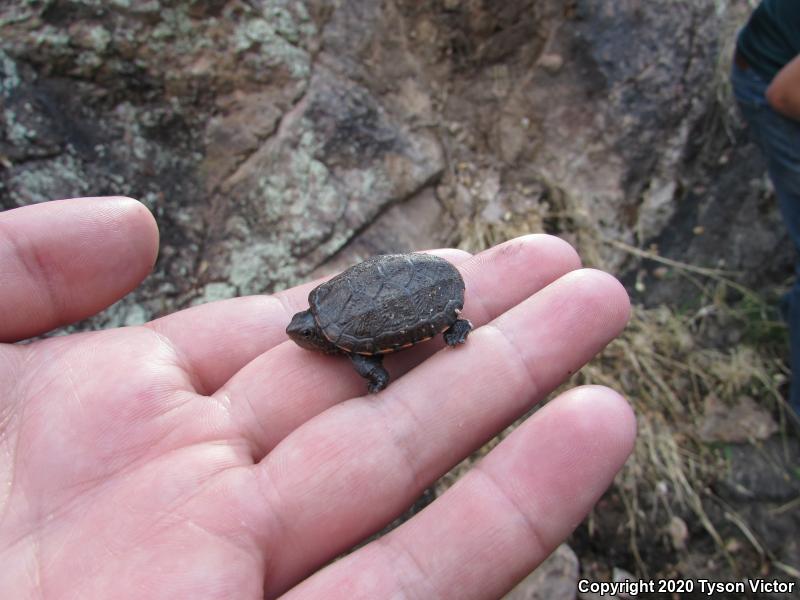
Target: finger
(217,339)
(287,386)
(391,446)
(66,260)
(504,517)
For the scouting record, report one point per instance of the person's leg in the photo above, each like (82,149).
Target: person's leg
(783,165)
(779,140)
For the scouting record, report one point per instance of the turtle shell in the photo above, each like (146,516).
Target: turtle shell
(388,302)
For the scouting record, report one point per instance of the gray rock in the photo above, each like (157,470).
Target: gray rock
(555,579)
(765,473)
(741,422)
(269,135)
(337,162)
(412,225)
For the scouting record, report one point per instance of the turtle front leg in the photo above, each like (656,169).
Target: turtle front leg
(458,332)
(371,368)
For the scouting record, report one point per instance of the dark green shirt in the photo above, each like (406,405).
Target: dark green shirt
(771,37)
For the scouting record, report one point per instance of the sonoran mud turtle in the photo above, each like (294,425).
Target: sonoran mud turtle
(386,303)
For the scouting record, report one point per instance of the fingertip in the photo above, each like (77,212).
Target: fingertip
(599,413)
(566,455)
(140,215)
(125,235)
(584,424)
(601,293)
(507,274)
(554,248)
(454,255)
(66,260)
(142,227)
(536,253)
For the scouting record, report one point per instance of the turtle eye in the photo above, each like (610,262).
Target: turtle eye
(306,333)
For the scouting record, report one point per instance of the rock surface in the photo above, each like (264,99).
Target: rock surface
(555,579)
(742,422)
(270,136)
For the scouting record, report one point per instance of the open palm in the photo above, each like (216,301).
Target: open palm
(205,456)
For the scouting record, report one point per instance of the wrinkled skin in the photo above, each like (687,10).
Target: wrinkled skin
(204,455)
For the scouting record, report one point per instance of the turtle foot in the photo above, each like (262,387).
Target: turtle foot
(458,332)
(373,387)
(371,368)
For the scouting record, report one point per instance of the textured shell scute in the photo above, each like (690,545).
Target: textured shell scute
(388,302)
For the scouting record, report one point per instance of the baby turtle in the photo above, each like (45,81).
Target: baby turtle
(386,303)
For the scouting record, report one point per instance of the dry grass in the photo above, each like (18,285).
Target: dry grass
(663,367)
(667,363)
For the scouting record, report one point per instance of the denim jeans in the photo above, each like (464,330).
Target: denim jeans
(778,138)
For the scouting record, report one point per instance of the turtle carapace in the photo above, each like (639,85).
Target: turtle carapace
(384,304)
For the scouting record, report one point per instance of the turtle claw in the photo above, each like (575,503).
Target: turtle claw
(458,332)
(373,387)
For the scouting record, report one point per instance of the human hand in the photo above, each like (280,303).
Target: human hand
(204,455)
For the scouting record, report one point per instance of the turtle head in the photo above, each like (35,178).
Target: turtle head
(305,332)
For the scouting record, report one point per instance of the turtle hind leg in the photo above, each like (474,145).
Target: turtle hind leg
(371,368)
(458,332)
